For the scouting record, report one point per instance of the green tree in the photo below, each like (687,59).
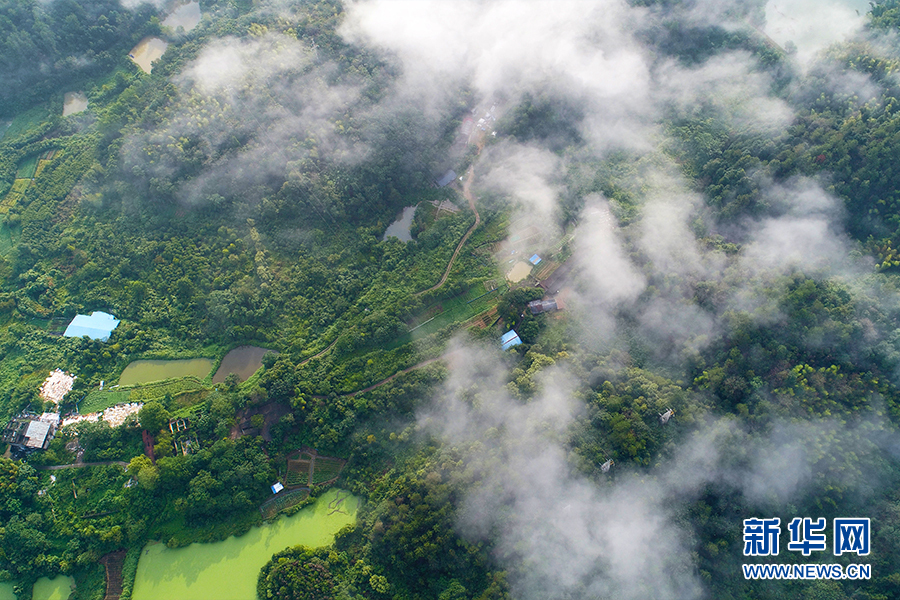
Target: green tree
(153,417)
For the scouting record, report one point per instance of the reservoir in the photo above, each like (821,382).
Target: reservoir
(145,371)
(400,228)
(243,361)
(228,570)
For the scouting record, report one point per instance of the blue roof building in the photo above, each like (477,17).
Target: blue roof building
(447,178)
(98,326)
(534,260)
(509,339)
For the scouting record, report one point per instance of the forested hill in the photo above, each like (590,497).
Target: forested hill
(707,209)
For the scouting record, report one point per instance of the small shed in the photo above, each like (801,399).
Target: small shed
(509,339)
(277,487)
(448,177)
(535,259)
(97,326)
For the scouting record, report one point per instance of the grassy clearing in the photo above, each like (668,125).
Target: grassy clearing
(26,120)
(96,400)
(9,237)
(27,167)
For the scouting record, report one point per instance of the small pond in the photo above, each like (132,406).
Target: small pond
(148,50)
(58,588)
(228,570)
(400,228)
(520,271)
(145,371)
(186,16)
(243,361)
(74,103)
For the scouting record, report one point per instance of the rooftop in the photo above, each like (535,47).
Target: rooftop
(98,326)
(509,339)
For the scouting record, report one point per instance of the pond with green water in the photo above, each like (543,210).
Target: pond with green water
(6,591)
(58,588)
(145,371)
(228,570)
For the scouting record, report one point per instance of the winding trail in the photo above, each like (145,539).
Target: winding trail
(467,192)
(330,346)
(424,363)
(84,464)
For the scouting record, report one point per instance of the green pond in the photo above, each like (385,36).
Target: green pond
(58,588)
(243,361)
(6,591)
(228,570)
(145,371)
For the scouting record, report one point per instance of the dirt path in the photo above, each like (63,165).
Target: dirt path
(392,377)
(85,464)
(113,563)
(330,346)
(467,192)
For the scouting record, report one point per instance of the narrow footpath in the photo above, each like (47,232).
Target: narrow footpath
(467,192)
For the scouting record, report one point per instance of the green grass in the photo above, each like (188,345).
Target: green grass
(460,308)
(27,167)
(26,120)
(9,237)
(170,387)
(97,400)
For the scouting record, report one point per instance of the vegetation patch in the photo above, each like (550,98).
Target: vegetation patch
(283,501)
(27,167)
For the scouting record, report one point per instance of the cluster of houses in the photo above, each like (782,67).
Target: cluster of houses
(27,432)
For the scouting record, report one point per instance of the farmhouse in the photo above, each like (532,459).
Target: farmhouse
(541,306)
(28,432)
(97,326)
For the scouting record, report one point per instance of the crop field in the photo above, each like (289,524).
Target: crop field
(99,400)
(326,469)
(272,507)
(26,120)
(15,193)
(298,467)
(27,167)
(463,307)
(172,387)
(96,400)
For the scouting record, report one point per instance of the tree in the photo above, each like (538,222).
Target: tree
(153,417)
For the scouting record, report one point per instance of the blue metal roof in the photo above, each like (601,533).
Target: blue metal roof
(509,339)
(447,178)
(534,259)
(98,326)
